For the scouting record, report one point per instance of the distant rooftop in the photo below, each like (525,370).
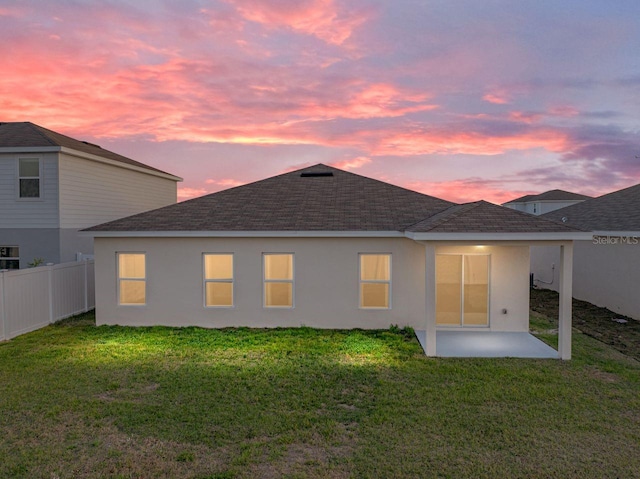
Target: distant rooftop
(26,134)
(551,195)
(617,211)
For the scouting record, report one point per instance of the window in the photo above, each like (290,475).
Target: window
(9,257)
(218,280)
(462,290)
(278,280)
(29,177)
(375,281)
(132,279)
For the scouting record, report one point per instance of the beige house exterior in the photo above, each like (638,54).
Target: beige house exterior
(51,186)
(325,248)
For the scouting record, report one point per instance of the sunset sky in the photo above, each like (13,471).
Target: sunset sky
(458,99)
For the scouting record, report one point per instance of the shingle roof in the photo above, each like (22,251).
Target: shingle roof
(617,211)
(484,217)
(27,134)
(551,195)
(323,198)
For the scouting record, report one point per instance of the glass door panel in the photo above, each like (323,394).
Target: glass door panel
(476,291)
(448,289)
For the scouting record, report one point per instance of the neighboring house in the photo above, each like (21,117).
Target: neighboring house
(545,202)
(52,185)
(607,266)
(326,248)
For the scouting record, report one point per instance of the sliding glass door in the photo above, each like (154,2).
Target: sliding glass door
(462,290)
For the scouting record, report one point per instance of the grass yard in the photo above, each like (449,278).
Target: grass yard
(78,401)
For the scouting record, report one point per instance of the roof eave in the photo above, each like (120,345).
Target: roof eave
(494,236)
(100,159)
(243,234)
(30,149)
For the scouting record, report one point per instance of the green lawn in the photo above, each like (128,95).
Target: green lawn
(80,401)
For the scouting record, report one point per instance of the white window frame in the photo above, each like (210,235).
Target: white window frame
(119,279)
(11,258)
(371,281)
(225,280)
(265,280)
(40,196)
(462,278)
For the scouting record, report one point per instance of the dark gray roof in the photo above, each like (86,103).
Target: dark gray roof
(484,217)
(323,198)
(551,195)
(26,134)
(617,211)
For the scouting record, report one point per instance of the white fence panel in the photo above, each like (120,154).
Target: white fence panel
(26,297)
(33,298)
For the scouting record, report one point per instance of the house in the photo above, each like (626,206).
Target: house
(545,202)
(52,186)
(327,248)
(607,265)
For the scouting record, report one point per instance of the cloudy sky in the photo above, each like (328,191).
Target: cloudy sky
(459,99)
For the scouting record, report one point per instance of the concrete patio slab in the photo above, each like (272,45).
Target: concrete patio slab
(488,344)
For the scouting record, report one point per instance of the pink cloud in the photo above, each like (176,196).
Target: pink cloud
(224,182)
(320,18)
(420,141)
(525,116)
(465,191)
(352,164)
(498,98)
(186,193)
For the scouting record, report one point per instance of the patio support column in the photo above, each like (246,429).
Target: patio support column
(566,295)
(430,298)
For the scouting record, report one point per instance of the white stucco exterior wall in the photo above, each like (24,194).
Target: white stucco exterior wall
(508,285)
(326,284)
(606,272)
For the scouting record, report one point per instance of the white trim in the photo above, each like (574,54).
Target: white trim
(30,149)
(243,234)
(578,235)
(100,159)
(291,281)
(225,281)
(40,179)
(372,281)
(118,278)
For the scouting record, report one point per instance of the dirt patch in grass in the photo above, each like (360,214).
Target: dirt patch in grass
(592,320)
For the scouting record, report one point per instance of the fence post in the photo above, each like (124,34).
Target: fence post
(2,307)
(86,286)
(50,279)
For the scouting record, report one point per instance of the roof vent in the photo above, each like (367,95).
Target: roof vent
(316,174)
(90,144)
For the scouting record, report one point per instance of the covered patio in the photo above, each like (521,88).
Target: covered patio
(488,344)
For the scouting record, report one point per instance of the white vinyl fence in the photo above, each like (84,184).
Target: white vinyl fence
(33,298)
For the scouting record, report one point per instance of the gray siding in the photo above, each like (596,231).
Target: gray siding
(92,192)
(34,243)
(17,213)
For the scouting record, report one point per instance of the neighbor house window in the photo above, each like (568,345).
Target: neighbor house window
(375,281)
(218,280)
(278,280)
(9,257)
(29,177)
(132,280)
